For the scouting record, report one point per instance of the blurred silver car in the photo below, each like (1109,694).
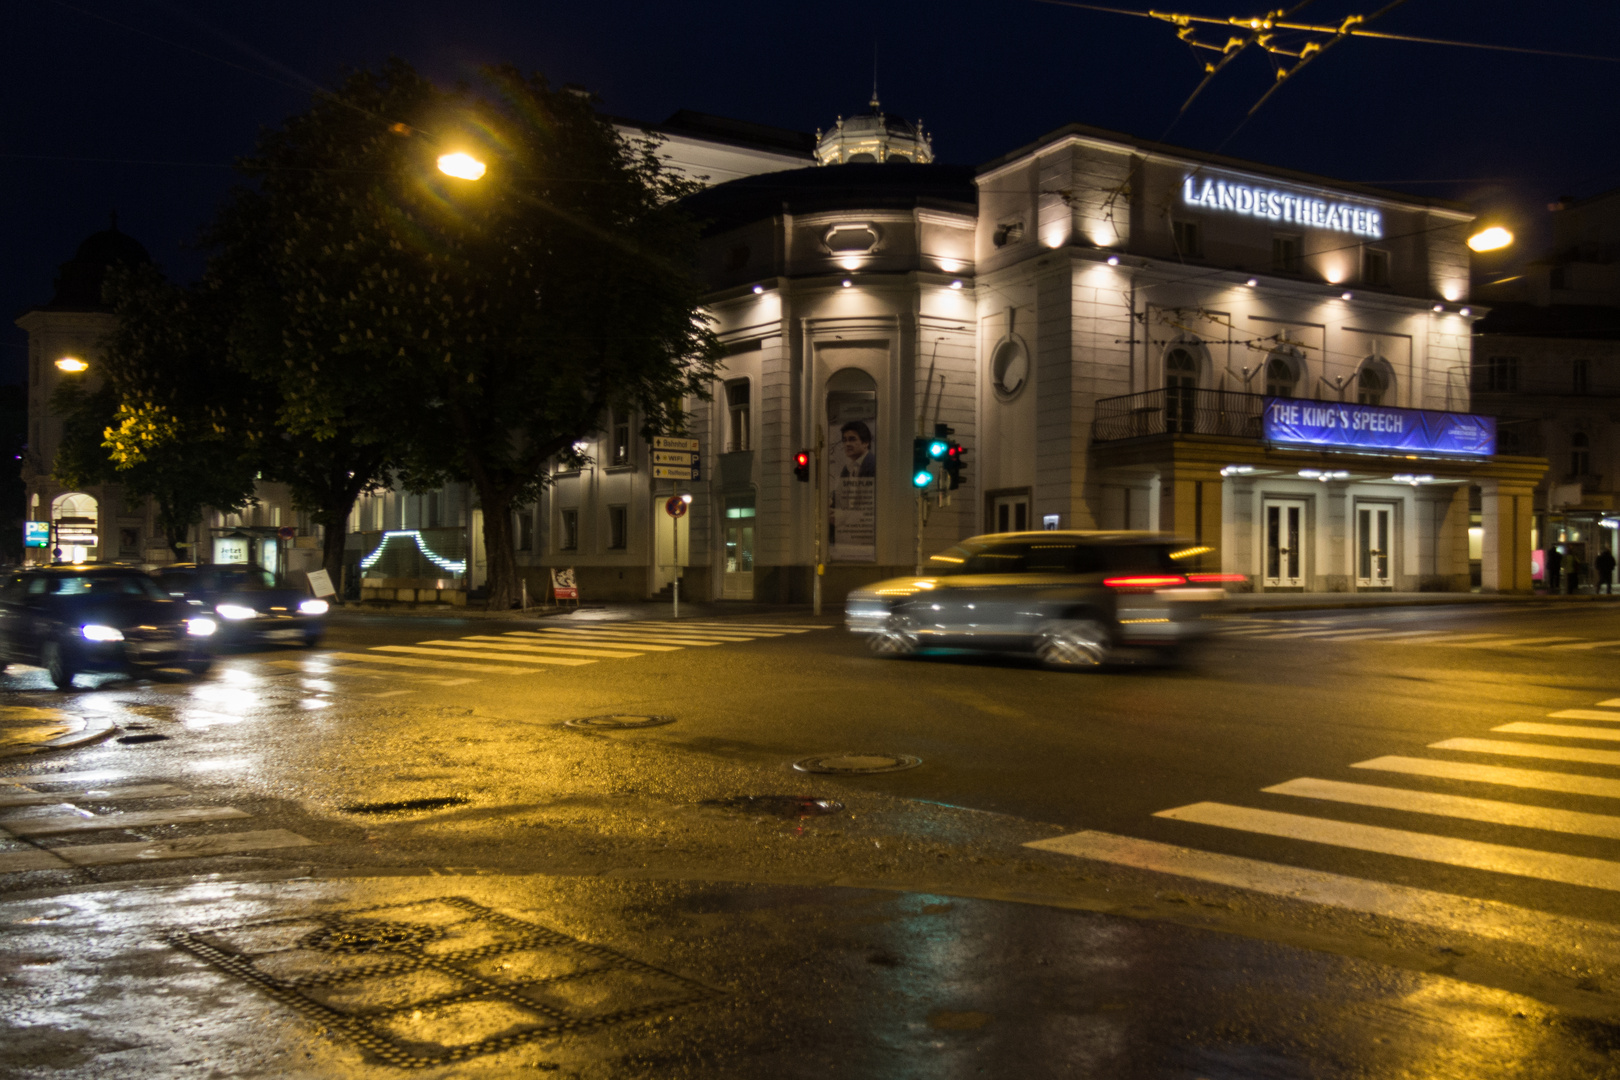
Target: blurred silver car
(1074,599)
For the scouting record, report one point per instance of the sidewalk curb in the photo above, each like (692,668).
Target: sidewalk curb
(1308,602)
(96,729)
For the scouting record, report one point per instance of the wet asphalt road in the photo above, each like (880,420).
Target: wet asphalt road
(1437,911)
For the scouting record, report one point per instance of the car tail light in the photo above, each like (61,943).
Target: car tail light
(1145,581)
(1217,579)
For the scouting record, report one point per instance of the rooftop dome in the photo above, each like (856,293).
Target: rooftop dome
(874,138)
(79,282)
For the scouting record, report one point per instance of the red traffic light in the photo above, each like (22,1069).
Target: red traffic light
(801,466)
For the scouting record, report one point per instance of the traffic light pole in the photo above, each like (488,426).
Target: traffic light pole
(818,519)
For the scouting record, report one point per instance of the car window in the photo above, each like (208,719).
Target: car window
(14,588)
(246,578)
(109,585)
(1141,559)
(1018,557)
(38,586)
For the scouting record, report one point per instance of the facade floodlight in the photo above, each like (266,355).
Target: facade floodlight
(1494,238)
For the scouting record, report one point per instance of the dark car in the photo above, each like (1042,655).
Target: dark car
(247,602)
(74,618)
(1074,599)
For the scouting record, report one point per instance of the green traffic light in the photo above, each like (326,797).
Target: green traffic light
(923,478)
(936,450)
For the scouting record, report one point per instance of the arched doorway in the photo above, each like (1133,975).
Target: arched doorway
(73,520)
(1180,389)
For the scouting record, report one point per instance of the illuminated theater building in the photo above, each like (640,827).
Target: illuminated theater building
(1123,335)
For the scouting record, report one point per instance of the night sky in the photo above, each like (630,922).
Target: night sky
(142,105)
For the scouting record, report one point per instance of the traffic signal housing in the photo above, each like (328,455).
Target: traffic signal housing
(922,473)
(954,453)
(801,466)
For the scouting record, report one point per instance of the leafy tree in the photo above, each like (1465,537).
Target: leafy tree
(164,421)
(477,328)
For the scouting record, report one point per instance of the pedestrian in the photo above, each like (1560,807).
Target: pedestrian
(1572,573)
(1555,560)
(1605,571)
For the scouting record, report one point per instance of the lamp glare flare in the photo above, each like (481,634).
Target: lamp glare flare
(71,364)
(1494,238)
(461,165)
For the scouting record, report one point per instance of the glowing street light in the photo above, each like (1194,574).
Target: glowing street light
(71,364)
(1494,238)
(461,166)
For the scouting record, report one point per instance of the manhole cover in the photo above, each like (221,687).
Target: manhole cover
(858,763)
(438,803)
(435,982)
(142,738)
(619,721)
(788,806)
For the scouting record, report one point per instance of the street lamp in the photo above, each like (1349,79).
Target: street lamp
(1492,239)
(71,364)
(461,166)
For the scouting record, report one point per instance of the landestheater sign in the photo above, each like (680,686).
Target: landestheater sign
(1282,205)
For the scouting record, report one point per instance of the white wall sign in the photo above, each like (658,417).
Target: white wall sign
(1282,206)
(230,549)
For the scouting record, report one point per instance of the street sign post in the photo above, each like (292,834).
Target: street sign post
(676,509)
(675,459)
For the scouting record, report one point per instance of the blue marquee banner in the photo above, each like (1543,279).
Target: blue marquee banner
(1334,424)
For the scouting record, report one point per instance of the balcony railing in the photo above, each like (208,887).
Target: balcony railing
(1178,411)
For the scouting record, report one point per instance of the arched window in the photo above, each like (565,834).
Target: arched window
(1580,454)
(1180,389)
(1371,386)
(1282,375)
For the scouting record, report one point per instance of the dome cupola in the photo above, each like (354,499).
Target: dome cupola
(874,137)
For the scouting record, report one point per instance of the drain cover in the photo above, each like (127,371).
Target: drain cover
(142,738)
(788,806)
(619,721)
(438,803)
(858,763)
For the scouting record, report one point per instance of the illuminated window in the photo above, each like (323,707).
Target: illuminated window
(1288,254)
(568,538)
(619,447)
(618,527)
(1375,268)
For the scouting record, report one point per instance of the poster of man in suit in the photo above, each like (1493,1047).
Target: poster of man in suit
(852,476)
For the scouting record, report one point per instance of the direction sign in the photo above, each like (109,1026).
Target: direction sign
(666,442)
(671,472)
(673,457)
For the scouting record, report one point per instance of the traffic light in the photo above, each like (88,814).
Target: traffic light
(954,454)
(801,466)
(922,474)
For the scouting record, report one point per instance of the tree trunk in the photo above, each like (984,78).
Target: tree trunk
(333,539)
(499,556)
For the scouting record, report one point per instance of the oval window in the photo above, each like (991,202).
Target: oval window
(1010,368)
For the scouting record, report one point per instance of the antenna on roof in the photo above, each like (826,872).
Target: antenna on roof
(874,101)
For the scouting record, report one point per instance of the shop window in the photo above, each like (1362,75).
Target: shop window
(1375,268)
(1501,374)
(1188,237)
(1371,386)
(1578,376)
(1580,454)
(618,527)
(619,437)
(1180,390)
(1288,254)
(738,413)
(525,529)
(1281,376)
(568,538)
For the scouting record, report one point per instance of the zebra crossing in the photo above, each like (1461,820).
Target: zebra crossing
(1465,761)
(42,819)
(453,661)
(1311,631)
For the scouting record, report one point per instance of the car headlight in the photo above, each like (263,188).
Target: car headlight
(201,627)
(97,632)
(235,612)
(313,607)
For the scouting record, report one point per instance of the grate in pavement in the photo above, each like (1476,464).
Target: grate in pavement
(858,763)
(619,721)
(439,981)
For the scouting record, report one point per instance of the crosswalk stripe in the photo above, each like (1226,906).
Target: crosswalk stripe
(1423,907)
(66,823)
(1503,748)
(1453,806)
(1612,703)
(1586,714)
(417,650)
(192,847)
(1448,851)
(313,667)
(1586,645)
(513,646)
(139,791)
(565,635)
(1450,638)
(624,638)
(402,661)
(1533,779)
(1561,731)
(686,630)
(15,862)
(777,628)
(1513,643)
